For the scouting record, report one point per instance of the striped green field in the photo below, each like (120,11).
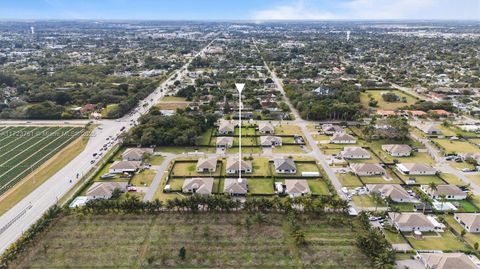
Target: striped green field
(23,149)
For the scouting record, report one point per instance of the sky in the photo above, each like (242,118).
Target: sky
(256,10)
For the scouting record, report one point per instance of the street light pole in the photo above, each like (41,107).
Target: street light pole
(239,87)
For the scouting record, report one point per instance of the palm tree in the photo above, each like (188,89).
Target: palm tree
(377,199)
(443,199)
(433,187)
(395,210)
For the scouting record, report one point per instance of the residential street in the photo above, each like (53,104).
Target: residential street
(19,218)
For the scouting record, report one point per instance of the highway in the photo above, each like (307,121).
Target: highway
(25,213)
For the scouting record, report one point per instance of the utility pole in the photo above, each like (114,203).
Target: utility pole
(239,87)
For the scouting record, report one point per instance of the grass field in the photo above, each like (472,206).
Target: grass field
(211,240)
(445,241)
(470,238)
(382,104)
(456,146)
(23,149)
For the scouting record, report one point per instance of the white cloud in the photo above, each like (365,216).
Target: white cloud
(372,9)
(296,11)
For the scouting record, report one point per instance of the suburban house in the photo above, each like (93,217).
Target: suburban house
(119,167)
(235,186)
(451,192)
(342,138)
(207,165)
(409,222)
(437,260)
(226,127)
(136,154)
(429,128)
(224,142)
(284,166)
(393,191)
(104,190)
(367,169)
(355,153)
(233,166)
(266,128)
(202,186)
(416,169)
(469,221)
(330,129)
(270,141)
(296,187)
(397,150)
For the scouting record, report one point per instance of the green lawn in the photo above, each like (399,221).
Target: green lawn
(288,129)
(301,167)
(422,179)
(381,180)
(155,160)
(245,131)
(105,112)
(245,150)
(260,167)
(366,201)
(175,184)
(382,104)
(404,207)
(394,237)
(260,186)
(452,179)
(318,187)
(461,165)
(445,241)
(246,141)
(456,146)
(143,178)
(349,180)
(466,206)
(470,238)
(288,149)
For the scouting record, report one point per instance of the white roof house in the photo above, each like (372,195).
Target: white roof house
(136,154)
(205,165)
(104,190)
(451,192)
(201,186)
(269,141)
(296,187)
(367,169)
(397,150)
(330,129)
(233,166)
(355,153)
(418,169)
(224,142)
(235,186)
(435,260)
(429,128)
(266,128)
(409,222)
(393,191)
(469,221)
(284,166)
(342,138)
(119,167)
(226,127)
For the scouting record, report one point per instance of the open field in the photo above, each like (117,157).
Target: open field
(211,240)
(24,149)
(456,146)
(382,104)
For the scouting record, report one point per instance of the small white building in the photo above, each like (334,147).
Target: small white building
(284,166)
(367,169)
(120,167)
(296,187)
(104,190)
(409,222)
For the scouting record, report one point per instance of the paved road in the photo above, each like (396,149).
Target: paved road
(317,153)
(19,218)
(444,166)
